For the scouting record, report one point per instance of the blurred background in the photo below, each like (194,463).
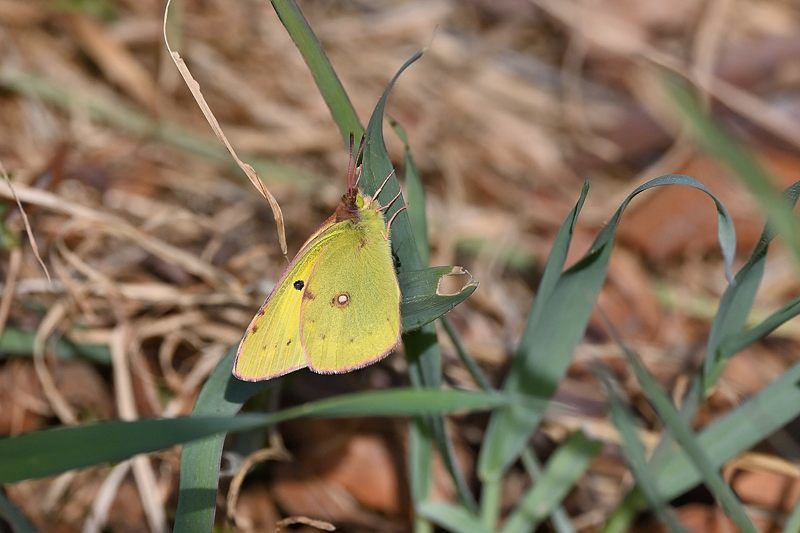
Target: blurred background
(160,251)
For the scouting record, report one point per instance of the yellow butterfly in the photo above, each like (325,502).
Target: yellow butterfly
(336,307)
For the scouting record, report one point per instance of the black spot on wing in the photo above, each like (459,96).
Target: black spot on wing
(299,284)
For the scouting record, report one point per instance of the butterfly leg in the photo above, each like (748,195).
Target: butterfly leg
(387,206)
(386,179)
(389,225)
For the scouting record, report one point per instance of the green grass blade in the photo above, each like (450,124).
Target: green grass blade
(636,457)
(559,518)
(221,395)
(13,517)
(737,301)
(420,464)
(421,303)
(17,342)
(452,517)
(759,417)
(736,343)
(722,146)
(555,261)
(560,474)
(422,350)
(51,451)
(491,461)
(415,194)
(330,87)
(469,362)
(682,433)
(548,342)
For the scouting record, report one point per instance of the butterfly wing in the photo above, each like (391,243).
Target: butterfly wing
(271,345)
(350,315)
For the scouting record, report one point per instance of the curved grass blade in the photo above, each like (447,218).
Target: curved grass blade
(51,451)
(682,433)
(738,299)
(452,517)
(330,87)
(636,457)
(722,146)
(560,474)
(559,318)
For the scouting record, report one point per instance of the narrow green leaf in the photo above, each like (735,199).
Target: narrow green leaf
(736,343)
(47,452)
(680,430)
(13,516)
(422,303)
(330,87)
(558,322)
(221,395)
(452,517)
(422,350)
(14,341)
(722,146)
(420,464)
(636,457)
(759,417)
(559,518)
(415,195)
(561,472)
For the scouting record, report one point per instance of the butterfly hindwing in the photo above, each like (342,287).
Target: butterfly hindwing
(350,314)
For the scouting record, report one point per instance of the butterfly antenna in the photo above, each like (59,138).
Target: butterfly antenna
(351,166)
(393,200)
(385,180)
(389,225)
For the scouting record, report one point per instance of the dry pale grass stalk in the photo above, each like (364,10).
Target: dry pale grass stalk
(275,451)
(9,288)
(101,504)
(306,521)
(254,178)
(105,222)
(27,223)
(149,491)
(48,325)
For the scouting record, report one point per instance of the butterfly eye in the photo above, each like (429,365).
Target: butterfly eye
(298,284)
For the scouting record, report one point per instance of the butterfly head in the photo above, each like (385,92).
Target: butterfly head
(352,205)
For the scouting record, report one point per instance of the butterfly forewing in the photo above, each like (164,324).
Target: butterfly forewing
(271,346)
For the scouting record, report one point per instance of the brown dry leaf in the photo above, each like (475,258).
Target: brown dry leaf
(769,490)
